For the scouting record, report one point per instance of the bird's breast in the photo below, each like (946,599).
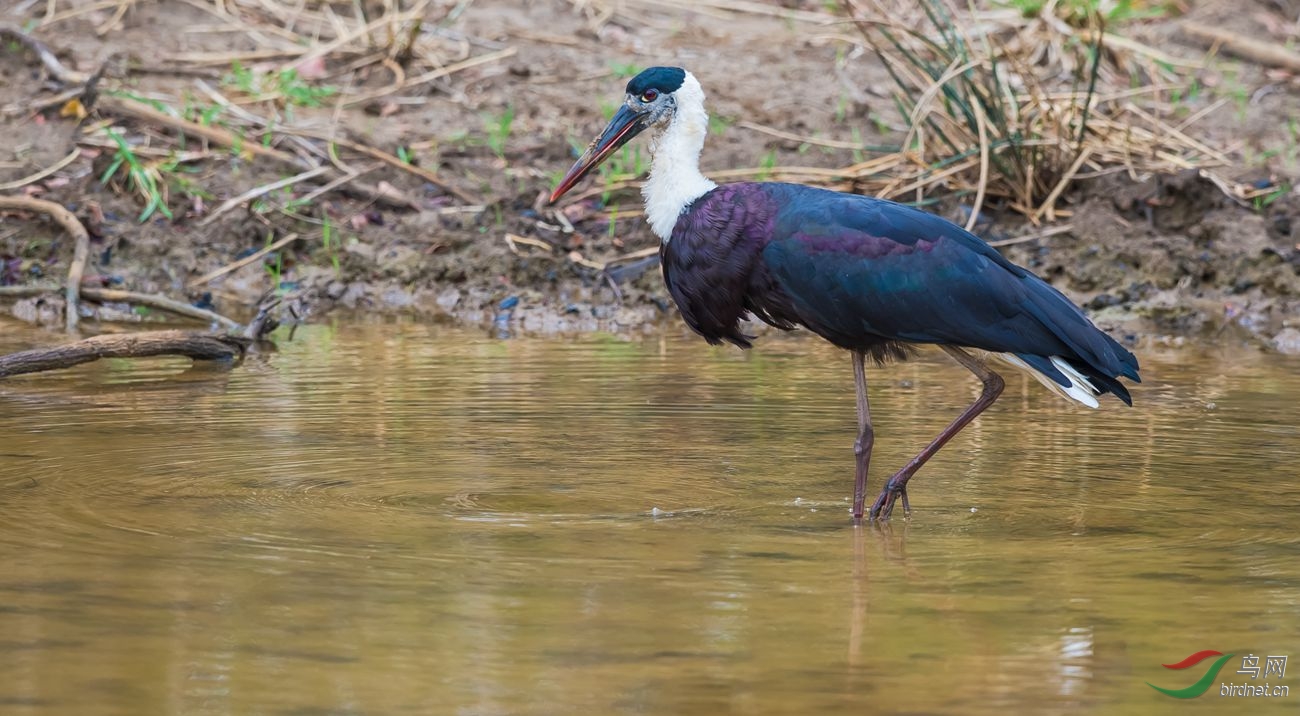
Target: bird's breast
(713,264)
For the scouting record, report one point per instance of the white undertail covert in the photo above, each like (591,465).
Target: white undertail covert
(675,179)
(1080,389)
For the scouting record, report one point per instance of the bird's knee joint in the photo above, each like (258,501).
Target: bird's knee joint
(863,444)
(993,385)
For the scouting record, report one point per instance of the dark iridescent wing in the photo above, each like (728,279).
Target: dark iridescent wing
(857,265)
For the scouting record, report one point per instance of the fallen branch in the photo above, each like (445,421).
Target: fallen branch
(161,303)
(80,254)
(216,135)
(1245,47)
(198,346)
(28,291)
(101,295)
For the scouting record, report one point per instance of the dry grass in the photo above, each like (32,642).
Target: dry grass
(308,55)
(998,107)
(1018,110)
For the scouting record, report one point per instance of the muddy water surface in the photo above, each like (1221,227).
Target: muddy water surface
(403,520)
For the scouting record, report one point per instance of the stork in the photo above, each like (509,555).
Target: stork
(871,276)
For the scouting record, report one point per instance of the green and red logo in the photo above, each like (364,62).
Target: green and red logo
(1203,684)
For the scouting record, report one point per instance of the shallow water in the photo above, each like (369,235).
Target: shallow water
(397,519)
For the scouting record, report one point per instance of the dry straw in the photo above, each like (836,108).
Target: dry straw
(1018,109)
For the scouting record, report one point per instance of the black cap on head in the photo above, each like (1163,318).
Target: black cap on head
(664,79)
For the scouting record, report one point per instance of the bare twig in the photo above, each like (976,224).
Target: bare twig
(216,135)
(235,266)
(1048,207)
(1045,233)
(33,178)
(161,303)
(413,14)
(28,291)
(81,252)
(983,184)
(817,141)
(436,74)
(263,190)
(340,181)
(52,65)
(391,161)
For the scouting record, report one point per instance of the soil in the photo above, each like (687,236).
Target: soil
(1153,258)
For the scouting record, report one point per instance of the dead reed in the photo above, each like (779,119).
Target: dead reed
(1018,109)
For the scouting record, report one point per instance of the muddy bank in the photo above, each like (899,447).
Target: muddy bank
(1160,257)
(1166,258)
(1169,257)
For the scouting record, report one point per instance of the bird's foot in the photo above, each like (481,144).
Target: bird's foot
(893,491)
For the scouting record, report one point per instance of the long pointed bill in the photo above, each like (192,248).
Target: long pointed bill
(626,124)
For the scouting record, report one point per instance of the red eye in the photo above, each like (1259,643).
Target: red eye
(650,95)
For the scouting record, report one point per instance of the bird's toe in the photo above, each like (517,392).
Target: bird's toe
(892,493)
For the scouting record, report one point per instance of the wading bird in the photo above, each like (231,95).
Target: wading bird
(870,276)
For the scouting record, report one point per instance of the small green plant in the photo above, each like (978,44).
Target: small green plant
(297,91)
(556,177)
(191,188)
(143,180)
(625,70)
(718,125)
(208,115)
(242,79)
(1240,94)
(624,164)
(404,155)
(275,269)
(766,166)
(276,272)
(1078,12)
(498,130)
(1292,143)
(1264,201)
(841,109)
(286,83)
(156,104)
(327,240)
(880,123)
(290,202)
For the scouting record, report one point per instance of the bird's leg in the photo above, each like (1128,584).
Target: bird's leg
(866,436)
(896,487)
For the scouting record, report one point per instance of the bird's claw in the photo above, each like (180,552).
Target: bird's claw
(884,505)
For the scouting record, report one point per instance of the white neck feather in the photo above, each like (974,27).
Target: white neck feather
(675,179)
